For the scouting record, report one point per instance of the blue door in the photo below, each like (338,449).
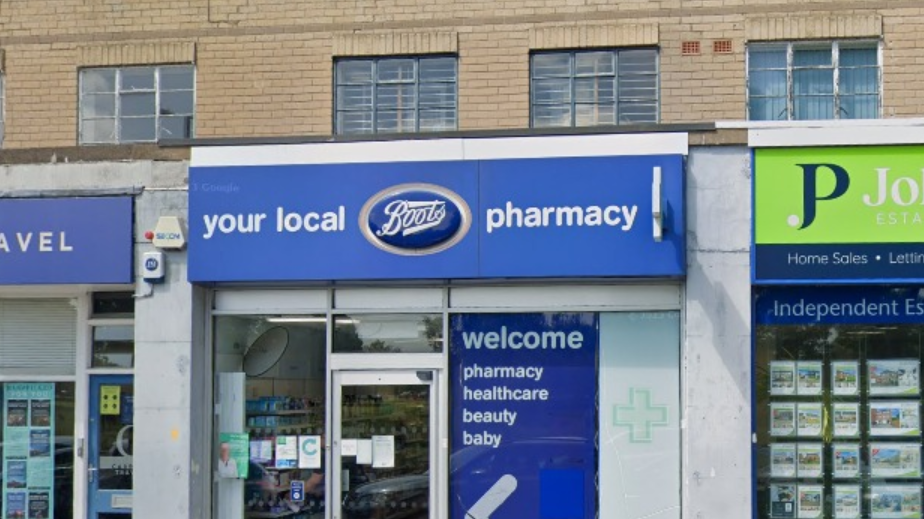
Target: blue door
(110,447)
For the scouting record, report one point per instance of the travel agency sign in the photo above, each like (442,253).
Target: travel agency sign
(515,218)
(839,214)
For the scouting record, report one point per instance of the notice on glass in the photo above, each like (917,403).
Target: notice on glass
(783,501)
(895,501)
(286,452)
(309,452)
(894,377)
(39,505)
(847,501)
(782,378)
(232,455)
(782,419)
(810,460)
(261,451)
(808,419)
(808,377)
(811,499)
(28,461)
(895,460)
(383,452)
(846,420)
(899,418)
(846,460)
(783,460)
(348,447)
(364,452)
(844,377)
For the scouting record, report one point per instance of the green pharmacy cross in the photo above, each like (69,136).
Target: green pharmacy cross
(640,416)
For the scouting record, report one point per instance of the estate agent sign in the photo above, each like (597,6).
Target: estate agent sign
(839,214)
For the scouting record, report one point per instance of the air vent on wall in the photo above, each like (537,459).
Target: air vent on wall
(690,48)
(722,47)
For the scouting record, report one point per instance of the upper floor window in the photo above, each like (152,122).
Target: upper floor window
(136,104)
(394,95)
(813,80)
(588,88)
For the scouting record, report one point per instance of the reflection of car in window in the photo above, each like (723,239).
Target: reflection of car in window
(476,468)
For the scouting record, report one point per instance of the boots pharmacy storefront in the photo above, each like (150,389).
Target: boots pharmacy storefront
(464,328)
(65,329)
(839,331)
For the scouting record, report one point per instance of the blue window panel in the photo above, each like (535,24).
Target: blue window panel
(561,494)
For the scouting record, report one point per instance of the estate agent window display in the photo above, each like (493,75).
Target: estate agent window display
(838,420)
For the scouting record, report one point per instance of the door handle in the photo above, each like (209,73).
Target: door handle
(91,473)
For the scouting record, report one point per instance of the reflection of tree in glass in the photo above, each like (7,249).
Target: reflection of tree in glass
(103,361)
(379,346)
(346,339)
(433,327)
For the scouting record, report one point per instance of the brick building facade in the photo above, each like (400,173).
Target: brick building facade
(266,69)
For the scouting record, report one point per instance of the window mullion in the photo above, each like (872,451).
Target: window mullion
(375,96)
(417,95)
(572,79)
(616,93)
(790,86)
(117,124)
(156,104)
(835,74)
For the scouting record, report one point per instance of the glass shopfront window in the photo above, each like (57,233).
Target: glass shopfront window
(838,402)
(543,409)
(271,407)
(547,408)
(37,450)
(388,333)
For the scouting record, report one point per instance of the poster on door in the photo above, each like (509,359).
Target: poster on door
(523,415)
(28,451)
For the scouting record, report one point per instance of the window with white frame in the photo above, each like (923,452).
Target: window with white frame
(112,330)
(814,80)
(596,87)
(136,104)
(396,95)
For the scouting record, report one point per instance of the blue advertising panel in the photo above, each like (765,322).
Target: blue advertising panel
(66,241)
(435,220)
(523,416)
(579,217)
(840,305)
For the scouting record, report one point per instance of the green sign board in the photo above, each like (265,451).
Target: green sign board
(839,213)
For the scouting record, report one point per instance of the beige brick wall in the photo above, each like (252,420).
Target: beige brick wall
(264,67)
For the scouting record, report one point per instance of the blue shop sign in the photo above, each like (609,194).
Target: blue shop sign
(840,305)
(513,218)
(66,241)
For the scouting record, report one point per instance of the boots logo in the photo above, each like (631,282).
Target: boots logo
(415,219)
(901,191)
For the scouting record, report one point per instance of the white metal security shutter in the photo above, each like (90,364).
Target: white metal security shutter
(38,337)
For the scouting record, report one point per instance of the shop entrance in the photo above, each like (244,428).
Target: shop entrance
(384,433)
(110,447)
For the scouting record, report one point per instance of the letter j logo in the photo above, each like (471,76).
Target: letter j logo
(810,195)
